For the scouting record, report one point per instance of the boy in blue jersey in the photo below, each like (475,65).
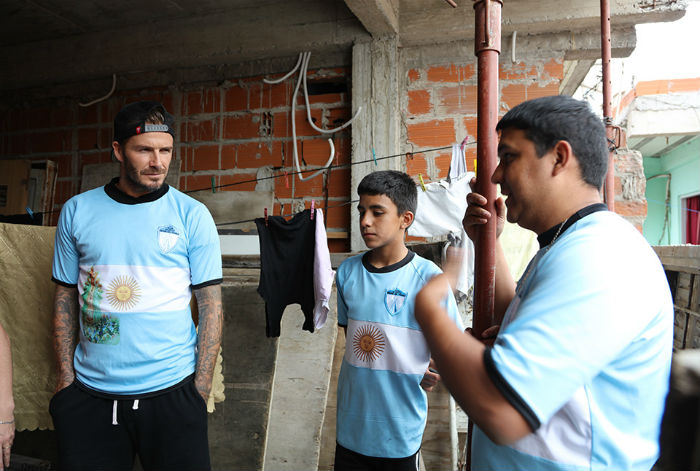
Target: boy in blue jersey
(133,373)
(382,408)
(578,374)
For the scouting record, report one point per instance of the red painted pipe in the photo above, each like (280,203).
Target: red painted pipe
(606,54)
(487,47)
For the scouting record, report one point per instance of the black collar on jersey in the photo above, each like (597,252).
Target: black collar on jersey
(120,197)
(389,268)
(546,237)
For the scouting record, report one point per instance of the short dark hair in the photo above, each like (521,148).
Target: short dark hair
(397,186)
(551,119)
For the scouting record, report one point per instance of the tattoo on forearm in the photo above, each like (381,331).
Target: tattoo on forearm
(209,335)
(65,330)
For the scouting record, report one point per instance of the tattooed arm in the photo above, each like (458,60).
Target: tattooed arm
(208,337)
(65,333)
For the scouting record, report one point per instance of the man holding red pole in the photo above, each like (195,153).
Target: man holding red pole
(578,374)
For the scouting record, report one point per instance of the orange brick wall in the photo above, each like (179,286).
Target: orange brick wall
(441,107)
(226,133)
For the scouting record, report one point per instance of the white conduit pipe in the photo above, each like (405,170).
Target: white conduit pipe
(114,86)
(275,81)
(303,60)
(294,129)
(304,67)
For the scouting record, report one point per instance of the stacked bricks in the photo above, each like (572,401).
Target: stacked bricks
(441,108)
(630,186)
(225,133)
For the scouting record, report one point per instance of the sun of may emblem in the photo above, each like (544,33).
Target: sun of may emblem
(123,293)
(368,343)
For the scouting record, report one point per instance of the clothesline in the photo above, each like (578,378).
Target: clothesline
(287,215)
(330,167)
(284,174)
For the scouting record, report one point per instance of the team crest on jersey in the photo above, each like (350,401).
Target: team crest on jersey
(394,300)
(167,238)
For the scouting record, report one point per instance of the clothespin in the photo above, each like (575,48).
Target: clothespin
(266,216)
(409,155)
(374,156)
(213,184)
(313,209)
(286,180)
(30,212)
(474,165)
(422,183)
(464,143)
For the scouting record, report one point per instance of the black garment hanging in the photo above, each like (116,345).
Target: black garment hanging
(287,267)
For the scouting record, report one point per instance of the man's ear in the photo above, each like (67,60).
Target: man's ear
(117,151)
(563,157)
(407,219)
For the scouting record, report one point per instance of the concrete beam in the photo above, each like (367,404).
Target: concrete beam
(379,17)
(580,45)
(79,89)
(663,122)
(230,38)
(574,73)
(375,87)
(418,23)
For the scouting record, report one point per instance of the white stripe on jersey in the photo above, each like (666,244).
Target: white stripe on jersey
(386,347)
(136,288)
(566,438)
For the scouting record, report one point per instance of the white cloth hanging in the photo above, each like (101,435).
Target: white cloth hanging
(440,211)
(458,165)
(323,273)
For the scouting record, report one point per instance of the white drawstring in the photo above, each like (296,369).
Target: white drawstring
(136,405)
(114,413)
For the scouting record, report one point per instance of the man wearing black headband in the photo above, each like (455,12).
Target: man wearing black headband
(134,374)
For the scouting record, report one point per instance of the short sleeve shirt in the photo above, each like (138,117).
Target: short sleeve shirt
(584,353)
(381,407)
(134,263)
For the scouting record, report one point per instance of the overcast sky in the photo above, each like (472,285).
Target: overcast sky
(664,51)
(668,50)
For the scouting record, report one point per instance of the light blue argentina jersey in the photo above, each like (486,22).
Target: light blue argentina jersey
(381,407)
(134,262)
(584,353)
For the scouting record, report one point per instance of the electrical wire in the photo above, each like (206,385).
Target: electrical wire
(289,74)
(114,86)
(282,175)
(286,215)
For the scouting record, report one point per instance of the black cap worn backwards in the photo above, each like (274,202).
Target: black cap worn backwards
(131,120)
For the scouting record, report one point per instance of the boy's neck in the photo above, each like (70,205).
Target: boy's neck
(381,257)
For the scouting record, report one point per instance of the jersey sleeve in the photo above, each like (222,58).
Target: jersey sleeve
(66,257)
(204,249)
(342,306)
(579,314)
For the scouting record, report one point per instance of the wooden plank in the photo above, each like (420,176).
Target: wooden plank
(680,324)
(14,181)
(337,235)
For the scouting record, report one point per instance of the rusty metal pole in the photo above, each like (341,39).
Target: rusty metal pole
(606,54)
(487,47)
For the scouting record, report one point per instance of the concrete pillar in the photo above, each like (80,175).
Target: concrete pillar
(375,87)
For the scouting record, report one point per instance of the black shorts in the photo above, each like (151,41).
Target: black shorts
(348,460)
(166,431)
